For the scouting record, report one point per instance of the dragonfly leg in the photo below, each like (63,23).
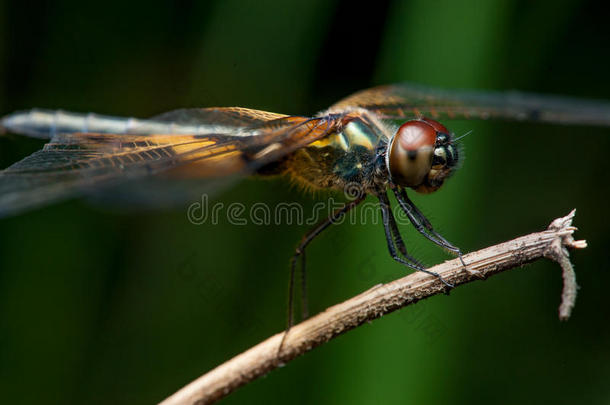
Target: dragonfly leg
(397,238)
(387,218)
(300,252)
(304,300)
(423,226)
(400,244)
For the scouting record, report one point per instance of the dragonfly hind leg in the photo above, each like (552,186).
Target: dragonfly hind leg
(300,252)
(394,239)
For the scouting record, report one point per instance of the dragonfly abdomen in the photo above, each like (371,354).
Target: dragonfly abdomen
(45,124)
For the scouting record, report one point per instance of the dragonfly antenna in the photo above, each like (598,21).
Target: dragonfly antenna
(460,137)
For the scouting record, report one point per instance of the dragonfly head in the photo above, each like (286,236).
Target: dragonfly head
(421,155)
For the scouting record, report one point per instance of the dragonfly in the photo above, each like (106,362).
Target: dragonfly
(383,140)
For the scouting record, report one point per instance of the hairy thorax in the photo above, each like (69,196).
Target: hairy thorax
(343,158)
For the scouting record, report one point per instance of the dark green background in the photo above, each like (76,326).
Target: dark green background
(101,307)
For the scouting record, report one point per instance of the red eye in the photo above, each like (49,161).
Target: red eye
(413,135)
(436,125)
(414,150)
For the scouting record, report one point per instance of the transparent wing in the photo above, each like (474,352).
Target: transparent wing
(405,101)
(83,163)
(228,116)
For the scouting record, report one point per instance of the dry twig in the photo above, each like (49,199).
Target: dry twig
(382,299)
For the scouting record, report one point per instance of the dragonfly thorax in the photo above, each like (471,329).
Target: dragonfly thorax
(421,155)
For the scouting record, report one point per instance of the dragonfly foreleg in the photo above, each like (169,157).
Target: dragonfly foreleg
(387,218)
(422,225)
(397,238)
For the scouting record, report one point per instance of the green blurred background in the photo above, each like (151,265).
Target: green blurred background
(105,307)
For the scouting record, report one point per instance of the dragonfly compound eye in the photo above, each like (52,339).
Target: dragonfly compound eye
(421,155)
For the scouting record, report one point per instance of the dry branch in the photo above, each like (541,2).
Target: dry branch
(382,299)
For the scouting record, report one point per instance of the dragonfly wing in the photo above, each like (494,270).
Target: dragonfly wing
(406,101)
(82,163)
(190,182)
(228,116)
